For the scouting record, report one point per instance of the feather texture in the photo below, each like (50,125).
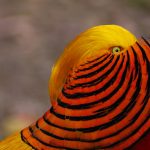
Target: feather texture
(14,142)
(100,99)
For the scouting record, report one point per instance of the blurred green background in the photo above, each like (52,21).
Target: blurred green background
(33,33)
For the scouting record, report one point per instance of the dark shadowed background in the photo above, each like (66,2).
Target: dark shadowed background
(33,33)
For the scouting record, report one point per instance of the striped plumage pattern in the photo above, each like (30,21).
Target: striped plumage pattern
(104,104)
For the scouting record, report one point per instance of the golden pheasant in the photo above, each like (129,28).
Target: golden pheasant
(100,96)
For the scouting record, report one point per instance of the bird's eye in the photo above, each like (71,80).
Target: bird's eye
(116,49)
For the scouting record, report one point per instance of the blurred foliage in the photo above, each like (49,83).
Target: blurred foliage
(140,4)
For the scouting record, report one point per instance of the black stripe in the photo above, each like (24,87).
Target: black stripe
(91,61)
(135,61)
(96,71)
(93,65)
(50,134)
(101,112)
(132,133)
(62,138)
(97,80)
(143,135)
(120,99)
(115,119)
(89,105)
(133,121)
(128,57)
(145,101)
(78,118)
(49,145)
(142,50)
(102,138)
(110,82)
(108,136)
(84,130)
(57,126)
(147,62)
(26,141)
(146,41)
(98,115)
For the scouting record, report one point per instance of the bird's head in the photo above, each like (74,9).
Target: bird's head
(97,40)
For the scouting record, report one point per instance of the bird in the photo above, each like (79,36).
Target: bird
(99,93)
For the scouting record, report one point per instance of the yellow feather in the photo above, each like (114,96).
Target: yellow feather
(14,142)
(95,40)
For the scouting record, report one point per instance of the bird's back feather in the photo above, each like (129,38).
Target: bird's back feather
(14,142)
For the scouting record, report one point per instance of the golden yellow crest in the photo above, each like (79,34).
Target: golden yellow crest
(95,40)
